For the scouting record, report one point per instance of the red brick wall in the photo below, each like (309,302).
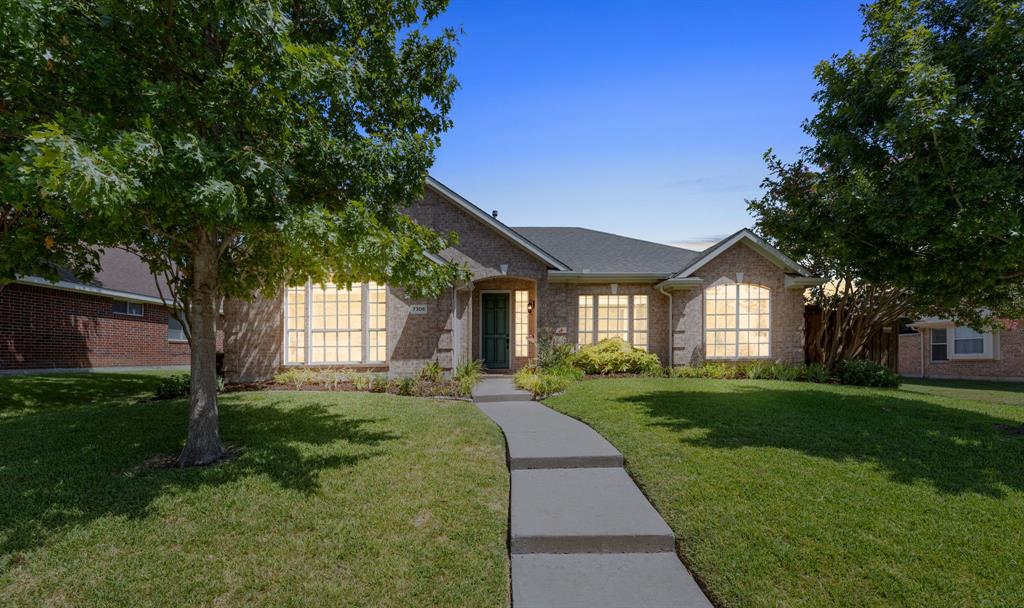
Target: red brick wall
(1008,363)
(50,328)
(910,355)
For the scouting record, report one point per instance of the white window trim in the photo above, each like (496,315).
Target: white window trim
(365,361)
(736,357)
(951,355)
(128,308)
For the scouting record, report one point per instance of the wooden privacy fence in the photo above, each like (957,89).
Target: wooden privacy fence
(882,346)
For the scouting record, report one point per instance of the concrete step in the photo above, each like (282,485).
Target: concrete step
(498,388)
(541,438)
(591,510)
(613,580)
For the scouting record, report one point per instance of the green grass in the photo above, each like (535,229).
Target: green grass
(790,494)
(972,390)
(336,499)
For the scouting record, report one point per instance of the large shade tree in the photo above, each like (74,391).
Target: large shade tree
(235,146)
(915,181)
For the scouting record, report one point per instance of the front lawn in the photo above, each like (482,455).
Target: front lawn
(336,499)
(970,390)
(791,494)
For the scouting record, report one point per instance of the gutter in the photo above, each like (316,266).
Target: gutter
(90,289)
(570,276)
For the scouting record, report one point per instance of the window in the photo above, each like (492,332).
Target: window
(175,331)
(966,341)
(939,345)
(522,325)
(325,324)
(122,307)
(612,316)
(585,320)
(737,321)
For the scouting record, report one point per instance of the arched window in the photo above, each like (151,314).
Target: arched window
(737,321)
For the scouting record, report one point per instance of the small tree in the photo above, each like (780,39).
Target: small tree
(234,146)
(918,160)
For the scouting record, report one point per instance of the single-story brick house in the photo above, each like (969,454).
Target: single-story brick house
(740,299)
(119,319)
(938,348)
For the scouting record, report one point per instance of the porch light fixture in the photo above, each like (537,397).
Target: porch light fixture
(529,307)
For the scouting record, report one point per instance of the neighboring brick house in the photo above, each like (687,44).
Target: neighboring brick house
(741,299)
(938,348)
(117,320)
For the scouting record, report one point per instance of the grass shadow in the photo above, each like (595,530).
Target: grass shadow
(67,465)
(954,450)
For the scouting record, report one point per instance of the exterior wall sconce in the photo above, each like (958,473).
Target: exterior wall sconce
(529,307)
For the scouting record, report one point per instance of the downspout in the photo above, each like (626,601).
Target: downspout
(455,328)
(671,334)
(921,333)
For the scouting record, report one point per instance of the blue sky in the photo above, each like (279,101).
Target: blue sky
(647,119)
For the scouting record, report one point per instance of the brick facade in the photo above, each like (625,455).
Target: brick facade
(44,328)
(739,264)
(1007,364)
(449,330)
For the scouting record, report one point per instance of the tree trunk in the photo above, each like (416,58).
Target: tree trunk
(203,445)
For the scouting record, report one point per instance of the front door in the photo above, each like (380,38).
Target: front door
(495,330)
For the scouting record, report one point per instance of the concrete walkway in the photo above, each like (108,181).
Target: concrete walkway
(582,533)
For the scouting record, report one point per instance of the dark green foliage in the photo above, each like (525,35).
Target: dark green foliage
(172,387)
(431,372)
(859,372)
(404,386)
(816,372)
(616,356)
(915,181)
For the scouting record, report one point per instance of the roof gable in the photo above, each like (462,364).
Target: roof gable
(755,242)
(492,222)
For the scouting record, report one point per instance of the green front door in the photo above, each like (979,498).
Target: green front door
(495,326)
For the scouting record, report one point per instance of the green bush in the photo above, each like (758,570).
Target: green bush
(361,381)
(404,386)
(760,370)
(551,354)
(467,375)
(296,377)
(860,372)
(431,372)
(172,387)
(615,356)
(379,384)
(816,372)
(722,371)
(688,371)
(786,372)
(540,383)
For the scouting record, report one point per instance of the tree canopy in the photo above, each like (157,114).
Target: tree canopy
(915,179)
(235,146)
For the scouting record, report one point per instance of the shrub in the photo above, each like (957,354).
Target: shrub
(615,356)
(816,372)
(172,387)
(431,372)
(860,372)
(722,371)
(404,386)
(297,377)
(540,383)
(467,375)
(785,371)
(361,381)
(760,370)
(552,355)
(688,371)
(379,384)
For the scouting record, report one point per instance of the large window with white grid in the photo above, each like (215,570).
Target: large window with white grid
(328,324)
(737,321)
(612,316)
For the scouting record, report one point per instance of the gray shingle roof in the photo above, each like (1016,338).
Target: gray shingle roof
(594,251)
(123,271)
